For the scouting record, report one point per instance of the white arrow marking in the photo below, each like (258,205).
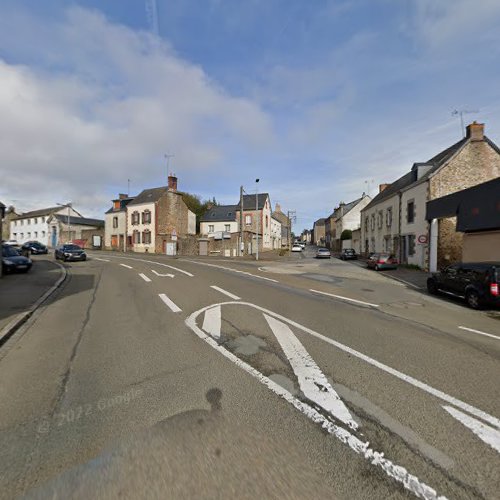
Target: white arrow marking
(489,435)
(212,322)
(163,275)
(312,381)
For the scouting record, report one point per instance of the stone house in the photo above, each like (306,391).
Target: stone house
(115,224)
(395,219)
(286,224)
(156,217)
(319,232)
(219,219)
(10,215)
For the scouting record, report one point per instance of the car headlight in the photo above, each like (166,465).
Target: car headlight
(8,262)
(66,254)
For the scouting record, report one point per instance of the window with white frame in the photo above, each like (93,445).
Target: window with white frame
(248,220)
(35,234)
(136,237)
(380,219)
(115,222)
(146,217)
(135,218)
(388,217)
(372,221)
(227,228)
(43,234)
(211,228)
(146,237)
(35,220)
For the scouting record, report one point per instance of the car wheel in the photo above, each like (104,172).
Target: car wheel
(377,268)
(85,258)
(432,287)
(472,299)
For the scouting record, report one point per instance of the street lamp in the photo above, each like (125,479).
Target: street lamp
(257,215)
(69,211)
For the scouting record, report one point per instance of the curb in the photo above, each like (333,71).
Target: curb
(7,331)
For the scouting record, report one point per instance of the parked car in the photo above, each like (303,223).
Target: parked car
(379,261)
(323,253)
(302,244)
(10,243)
(35,247)
(70,252)
(296,248)
(348,254)
(478,283)
(13,261)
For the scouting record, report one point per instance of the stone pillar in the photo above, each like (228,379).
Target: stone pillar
(433,245)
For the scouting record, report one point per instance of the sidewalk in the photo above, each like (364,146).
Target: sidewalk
(20,292)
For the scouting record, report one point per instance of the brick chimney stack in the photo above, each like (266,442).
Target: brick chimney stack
(381,187)
(172,183)
(278,208)
(475,131)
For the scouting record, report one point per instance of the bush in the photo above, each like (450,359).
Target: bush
(283,252)
(346,234)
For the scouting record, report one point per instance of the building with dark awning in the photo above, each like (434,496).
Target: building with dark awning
(477,210)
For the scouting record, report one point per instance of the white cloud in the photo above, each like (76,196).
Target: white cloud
(112,103)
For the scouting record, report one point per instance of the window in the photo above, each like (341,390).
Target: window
(146,237)
(35,234)
(43,234)
(211,228)
(410,212)
(267,221)
(22,222)
(373,222)
(22,235)
(146,217)
(135,218)
(380,219)
(366,223)
(43,219)
(388,217)
(14,235)
(28,222)
(227,228)
(115,222)
(137,237)
(248,220)
(29,235)
(411,244)
(35,220)
(15,223)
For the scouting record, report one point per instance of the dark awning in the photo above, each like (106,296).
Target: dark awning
(476,208)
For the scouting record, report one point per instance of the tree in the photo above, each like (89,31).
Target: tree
(198,207)
(346,234)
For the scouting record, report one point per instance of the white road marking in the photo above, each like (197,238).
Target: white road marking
(489,435)
(102,260)
(167,275)
(479,332)
(144,277)
(233,270)
(153,262)
(312,381)
(225,292)
(169,303)
(397,472)
(125,265)
(345,298)
(212,321)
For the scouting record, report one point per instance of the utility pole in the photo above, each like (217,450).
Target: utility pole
(128,187)
(242,245)
(257,216)
(290,215)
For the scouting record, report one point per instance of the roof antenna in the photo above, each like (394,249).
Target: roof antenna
(463,112)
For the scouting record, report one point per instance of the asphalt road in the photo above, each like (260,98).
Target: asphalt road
(301,379)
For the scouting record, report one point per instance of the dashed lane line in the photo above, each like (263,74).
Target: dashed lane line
(102,260)
(348,299)
(173,307)
(145,278)
(125,265)
(479,332)
(225,292)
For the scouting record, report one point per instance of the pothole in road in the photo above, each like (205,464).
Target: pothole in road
(247,345)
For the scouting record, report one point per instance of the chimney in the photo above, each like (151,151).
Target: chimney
(381,187)
(172,183)
(475,131)
(122,196)
(278,208)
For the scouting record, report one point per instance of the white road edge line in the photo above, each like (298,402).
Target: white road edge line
(231,269)
(144,277)
(125,265)
(397,472)
(312,380)
(479,332)
(225,292)
(345,298)
(102,260)
(169,303)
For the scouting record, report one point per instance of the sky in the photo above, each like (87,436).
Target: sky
(321,100)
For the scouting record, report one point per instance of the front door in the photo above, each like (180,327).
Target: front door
(122,242)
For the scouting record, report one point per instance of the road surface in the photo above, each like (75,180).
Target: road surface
(148,377)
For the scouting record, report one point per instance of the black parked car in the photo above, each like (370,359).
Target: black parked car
(35,247)
(70,252)
(478,283)
(13,261)
(348,254)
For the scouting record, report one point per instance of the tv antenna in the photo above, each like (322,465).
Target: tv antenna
(168,156)
(461,113)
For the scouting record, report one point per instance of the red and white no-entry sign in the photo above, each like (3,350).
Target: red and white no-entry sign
(422,238)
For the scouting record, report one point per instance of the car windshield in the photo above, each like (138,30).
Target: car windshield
(10,251)
(69,248)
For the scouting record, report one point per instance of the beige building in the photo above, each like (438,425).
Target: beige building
(319,232)
(394,221)
(115,224)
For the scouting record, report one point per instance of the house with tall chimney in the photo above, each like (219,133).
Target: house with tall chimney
(157,218)
(395,220)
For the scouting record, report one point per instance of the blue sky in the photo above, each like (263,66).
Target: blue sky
(320,99)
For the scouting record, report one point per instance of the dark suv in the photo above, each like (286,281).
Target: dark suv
(477,282)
